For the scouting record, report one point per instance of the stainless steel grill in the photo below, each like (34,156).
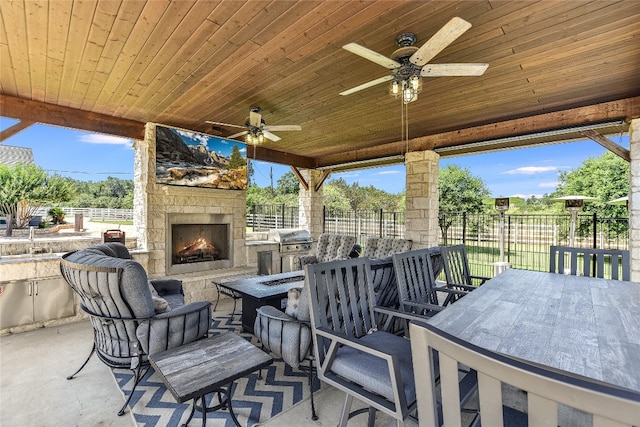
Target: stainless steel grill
(291,240)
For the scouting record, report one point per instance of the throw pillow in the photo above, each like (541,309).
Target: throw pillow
(160,305)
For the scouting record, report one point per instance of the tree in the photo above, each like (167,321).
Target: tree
(605,178)
(236,160)
(458,191)
(288,184)
(24,188)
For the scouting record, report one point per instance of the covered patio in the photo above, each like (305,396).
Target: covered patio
(557,72)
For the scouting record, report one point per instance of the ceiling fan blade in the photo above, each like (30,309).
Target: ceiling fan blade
(225,124)
(255,119)
(441,70)
(238,134)
(443,38)
(270,136)
(366,85)
(279,128)
(372,55)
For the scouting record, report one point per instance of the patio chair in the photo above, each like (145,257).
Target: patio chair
(416,283)
(457,272)
(379,250)
(288,334)
(546,389)
(132,317)
(351,353)
(603,263)
(330,247)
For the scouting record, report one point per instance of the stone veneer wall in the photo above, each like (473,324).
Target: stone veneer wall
(310,203)
(634,200)
(421,198)
(153,202)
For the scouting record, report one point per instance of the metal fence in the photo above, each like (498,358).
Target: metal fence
(266,217)
(527,238)
(364,223)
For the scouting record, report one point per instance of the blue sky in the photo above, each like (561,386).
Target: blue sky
(522,172)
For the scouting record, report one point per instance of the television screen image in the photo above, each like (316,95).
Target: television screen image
(196,159)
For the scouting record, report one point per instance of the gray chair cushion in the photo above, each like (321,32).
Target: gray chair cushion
(133,282)
(372,372)
(283,335)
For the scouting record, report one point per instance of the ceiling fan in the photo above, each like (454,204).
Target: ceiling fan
(256,129)
(410,63)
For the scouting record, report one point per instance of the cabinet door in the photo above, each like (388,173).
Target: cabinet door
(16,303)
(53,299)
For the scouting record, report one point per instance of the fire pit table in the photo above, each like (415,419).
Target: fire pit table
(263,290)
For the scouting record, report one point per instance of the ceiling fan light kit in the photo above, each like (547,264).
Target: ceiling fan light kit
(256,130)
(410,63)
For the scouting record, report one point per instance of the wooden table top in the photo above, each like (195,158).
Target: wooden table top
(254,286)
(583,325)
(195,369)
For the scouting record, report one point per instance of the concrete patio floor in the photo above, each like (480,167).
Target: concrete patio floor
(34,390)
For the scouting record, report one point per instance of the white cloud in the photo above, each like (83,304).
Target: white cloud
(530,170)
(388,172)
(548,184)
(201,138)
(96,138)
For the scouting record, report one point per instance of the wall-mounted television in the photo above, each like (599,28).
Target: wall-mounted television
(195,159)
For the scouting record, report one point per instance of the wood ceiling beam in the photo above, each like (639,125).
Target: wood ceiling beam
(57,115)
(608,144)
(12,130)
(28,111)
(622,109)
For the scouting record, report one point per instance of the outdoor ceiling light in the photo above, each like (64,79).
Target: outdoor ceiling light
(406,85)
(500,142)
(255,136)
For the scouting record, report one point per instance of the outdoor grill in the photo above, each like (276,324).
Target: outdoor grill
(291,240)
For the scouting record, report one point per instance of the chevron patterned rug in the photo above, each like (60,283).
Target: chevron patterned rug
(254,400)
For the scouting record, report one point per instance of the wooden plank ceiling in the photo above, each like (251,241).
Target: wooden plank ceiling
(109,66)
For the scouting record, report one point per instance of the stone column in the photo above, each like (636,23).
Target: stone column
(634,200)
(422,198)
(310,203)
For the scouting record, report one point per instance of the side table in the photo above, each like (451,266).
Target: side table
(206,366)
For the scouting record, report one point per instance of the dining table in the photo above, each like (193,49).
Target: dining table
(584,325)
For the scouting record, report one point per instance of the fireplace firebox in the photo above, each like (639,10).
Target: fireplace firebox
(198,242)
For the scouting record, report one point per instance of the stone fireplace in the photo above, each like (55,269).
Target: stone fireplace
(165,215)
(198,242)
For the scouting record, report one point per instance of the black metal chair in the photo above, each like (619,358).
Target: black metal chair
(603,263)
(457,272)
(416,283)
(352,354)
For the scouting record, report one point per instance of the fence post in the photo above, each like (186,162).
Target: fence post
(464,228)
(324,218)
(595,230)
(508,238)
(282,209)
(380,223)
(253,215)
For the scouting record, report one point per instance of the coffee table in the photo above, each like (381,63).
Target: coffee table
(206,366)
(263,290)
